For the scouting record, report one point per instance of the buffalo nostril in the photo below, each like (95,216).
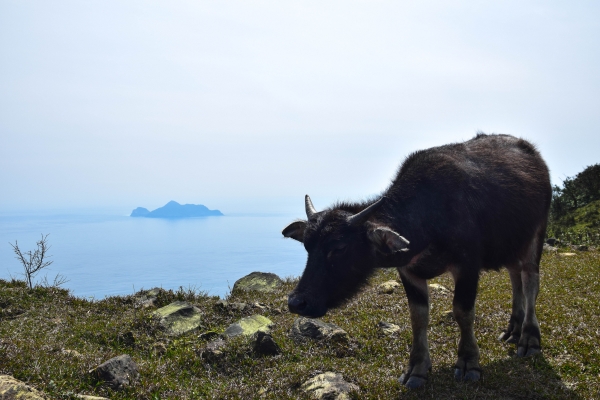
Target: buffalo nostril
(296,304)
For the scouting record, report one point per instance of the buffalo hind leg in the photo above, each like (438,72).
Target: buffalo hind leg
(415,375)
(513,332)
(530,341)
(523,328)
(463,306)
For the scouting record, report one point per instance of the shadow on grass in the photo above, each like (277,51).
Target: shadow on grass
(512,378)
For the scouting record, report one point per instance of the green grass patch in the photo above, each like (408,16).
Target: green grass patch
(51,340)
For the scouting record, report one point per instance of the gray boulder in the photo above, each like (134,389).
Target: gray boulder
(248,326)
(117,372)
(258,281)
(179,317)
(329,386)
(304,328)
(147,298)
(14,389)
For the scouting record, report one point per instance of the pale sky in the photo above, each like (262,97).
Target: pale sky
(248,105)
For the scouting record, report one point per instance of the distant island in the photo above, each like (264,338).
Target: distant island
(175,210)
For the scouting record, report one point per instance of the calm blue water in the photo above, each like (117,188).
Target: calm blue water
(109,255)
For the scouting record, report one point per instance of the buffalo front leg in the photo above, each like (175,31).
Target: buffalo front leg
(415,374)
(463,306)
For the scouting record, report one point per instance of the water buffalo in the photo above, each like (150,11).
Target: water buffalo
(459,208)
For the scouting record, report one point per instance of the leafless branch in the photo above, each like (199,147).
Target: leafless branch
(33,261)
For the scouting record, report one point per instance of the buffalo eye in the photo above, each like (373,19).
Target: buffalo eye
(336,250)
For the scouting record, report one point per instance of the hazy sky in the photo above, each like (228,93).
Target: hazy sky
(248,105)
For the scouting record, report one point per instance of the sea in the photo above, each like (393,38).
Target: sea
(104,255)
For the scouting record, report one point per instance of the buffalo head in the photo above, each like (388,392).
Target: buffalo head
(343,250)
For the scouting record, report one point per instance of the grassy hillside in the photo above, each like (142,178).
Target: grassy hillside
(51,340)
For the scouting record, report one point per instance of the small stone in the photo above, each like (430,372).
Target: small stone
(388,287)
(579,247)
(552,241)
(248,326)
(179,317)
(329,386)
(436,287)
(567,254)
(72,353)
(316,329)
(87,397)
(549,249)
(117,372)
(263,343)
(388,328)
(258,281)
(213,350)
(13,389)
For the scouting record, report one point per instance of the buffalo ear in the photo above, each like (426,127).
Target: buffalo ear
(295,230)
(387,241)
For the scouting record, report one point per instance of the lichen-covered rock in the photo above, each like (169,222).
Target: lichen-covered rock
(389,287)
(316,329)
(117,372)
(227,306)
(329,386)
(179,317)
(388,328)
(248,326)
(263,343)
(14,389)
(258,281)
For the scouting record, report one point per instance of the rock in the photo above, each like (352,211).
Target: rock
(549,249)
(388,328)
(227,306)
(72,353)
(117,372)
(147,298)
(213,350)
(435,287)
(329,386)
(566,254)
(248,326)
(263,343)
(14,389)
(179,317)
(316,329)
(552,241)
(258,281)
(389,287)
(86,397)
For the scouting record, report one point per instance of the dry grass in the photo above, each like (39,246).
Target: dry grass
(37,326)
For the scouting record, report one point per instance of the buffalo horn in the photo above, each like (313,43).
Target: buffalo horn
(362,216)
(310,209)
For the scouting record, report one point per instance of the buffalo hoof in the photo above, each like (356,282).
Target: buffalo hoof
(413,382)
(471,375)
(532,351)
